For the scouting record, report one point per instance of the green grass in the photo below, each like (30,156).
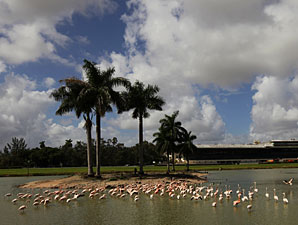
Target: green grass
(115,169)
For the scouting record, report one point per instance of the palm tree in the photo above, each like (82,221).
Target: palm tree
(186,145)
(141,99)
(73,96)
(163,145)
(101,87)
(172,128)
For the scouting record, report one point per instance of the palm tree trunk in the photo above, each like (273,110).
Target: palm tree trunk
(98,149)
(173,159)
(187,165)
(168,163)
(141,152)
(88,132)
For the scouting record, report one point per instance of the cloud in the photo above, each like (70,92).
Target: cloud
(48,82)
(2,67)
(179,44)
(209,42)
(199,117)
(23,113)
(275,108)
(82,39)
(28,28)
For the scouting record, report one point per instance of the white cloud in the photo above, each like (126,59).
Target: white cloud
(199,117)
(224,43)
(23,114)
(28,28)
(177,44)
(275,109)
(48,82)
(2,67)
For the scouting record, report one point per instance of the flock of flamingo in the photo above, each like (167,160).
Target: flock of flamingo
(174,190)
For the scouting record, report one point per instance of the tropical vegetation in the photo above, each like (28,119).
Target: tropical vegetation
(142,99)
(173,139)
(94,96)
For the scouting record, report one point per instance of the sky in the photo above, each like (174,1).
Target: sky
(229,66)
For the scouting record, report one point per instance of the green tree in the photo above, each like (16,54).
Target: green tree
(163,145)
(74,96)
(186,145)
(142,99)
(18,151)
(172,130)
(101,88)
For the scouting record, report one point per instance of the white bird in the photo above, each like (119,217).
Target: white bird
(35,203)
(22,208)
(213,204)
(244,198)
(274,195)
(249,207)
(266,194)
(290,182)
(284,199)
(256,189)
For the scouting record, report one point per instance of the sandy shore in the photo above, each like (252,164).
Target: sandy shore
(113,180)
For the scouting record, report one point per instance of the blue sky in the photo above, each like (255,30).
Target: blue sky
(229,67)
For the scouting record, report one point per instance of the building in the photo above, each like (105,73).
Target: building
(275,150)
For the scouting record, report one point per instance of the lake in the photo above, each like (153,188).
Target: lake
(163,210)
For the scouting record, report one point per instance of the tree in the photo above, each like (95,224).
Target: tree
(141,99)
(172,131)
(101,87)
(74,96)
(186,145)
(163,145)
(18,151)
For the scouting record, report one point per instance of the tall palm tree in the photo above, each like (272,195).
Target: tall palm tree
(163,145)
(73,97)
(141,99)
(101,87)
(186,145)
(173,129)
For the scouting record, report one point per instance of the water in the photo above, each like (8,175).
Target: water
(162,210)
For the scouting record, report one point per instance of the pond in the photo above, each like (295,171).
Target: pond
(163,209)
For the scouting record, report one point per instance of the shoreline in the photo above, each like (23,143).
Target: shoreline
(114,180)
(69,171)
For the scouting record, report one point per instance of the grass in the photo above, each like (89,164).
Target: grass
(147,169)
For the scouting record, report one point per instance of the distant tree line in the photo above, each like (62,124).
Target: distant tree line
(16,154)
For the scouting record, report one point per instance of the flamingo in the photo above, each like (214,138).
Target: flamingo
(284,199)
(274,195)
(236,202)
(266,194)
(136,198)
(244,198)
(35,203)
(22,208)
(256,189)
(8,195)
(103,196)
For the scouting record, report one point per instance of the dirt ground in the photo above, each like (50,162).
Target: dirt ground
(115,179)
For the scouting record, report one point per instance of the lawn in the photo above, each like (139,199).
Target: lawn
(114,169)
